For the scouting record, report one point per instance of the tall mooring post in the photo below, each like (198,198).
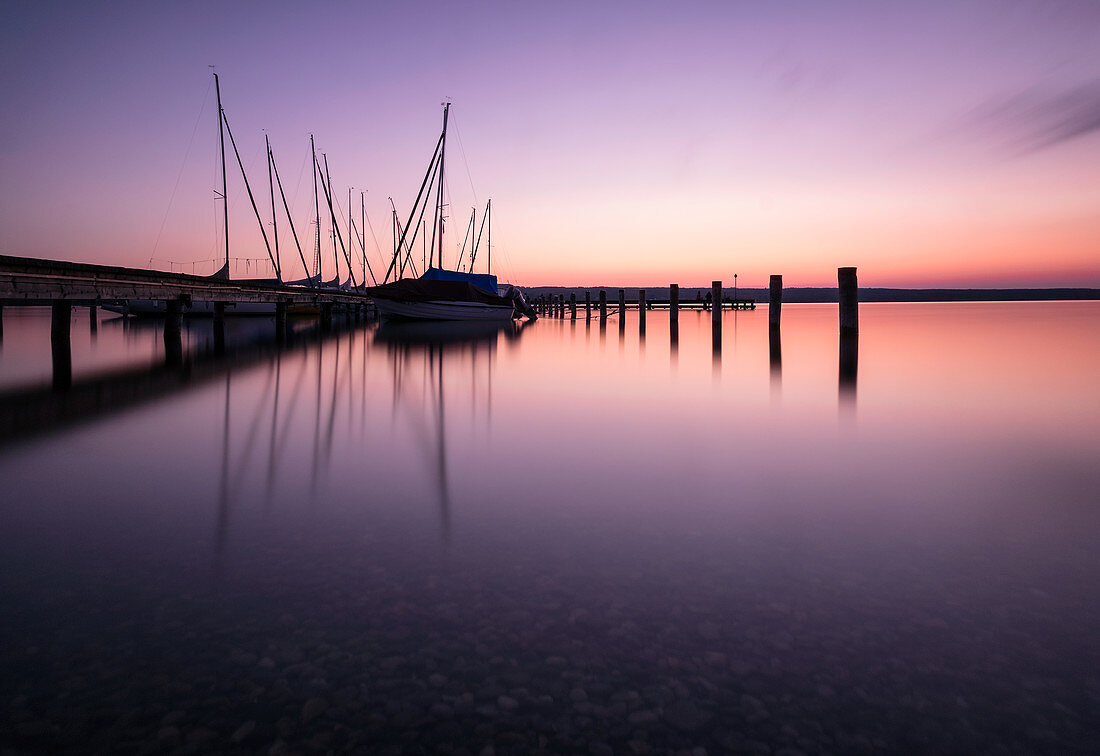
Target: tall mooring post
(603,305)
(587,305)
(641,310)
(674,316)
(326,317)
(622,303)
(573,306)
(173,336)
(849,301)
(280,322)
(60,343)
(716,301)
(775,301)
(93,317)
(219,328)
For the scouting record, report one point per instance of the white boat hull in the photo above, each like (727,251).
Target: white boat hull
(442,310)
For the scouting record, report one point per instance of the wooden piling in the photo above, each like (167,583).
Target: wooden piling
(587,306)
(603,305)
(1,321)
(775,301)
(849,301)
(173,337)
(280,322)
(573,306)
(716,302)
(622,303)
(93,317)
(673,303)
(60,343)
(326,317)
(641,310)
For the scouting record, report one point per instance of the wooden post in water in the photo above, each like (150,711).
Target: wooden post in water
(1,321)
(280,322)
(716,301)
(561,307)
(326,317)
(775,301)
(674,303)
(849,301)
(60,343)
(573,306)
(641,310)
(219,328)
(93,316)
(603,305)
(587,307)
(622,303)
(173,338)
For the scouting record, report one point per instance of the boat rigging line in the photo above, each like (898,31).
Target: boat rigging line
(301,255)
(179,176)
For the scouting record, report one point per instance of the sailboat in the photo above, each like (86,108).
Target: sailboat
(157,307)
(441,294)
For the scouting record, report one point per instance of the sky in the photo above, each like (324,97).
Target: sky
(622,144)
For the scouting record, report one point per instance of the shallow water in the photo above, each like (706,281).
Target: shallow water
(566,537)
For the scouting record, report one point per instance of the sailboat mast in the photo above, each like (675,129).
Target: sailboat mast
(489,235)
(274,222)
(225,195)
(351,247)
(332,215)
(316,215)
(439,192)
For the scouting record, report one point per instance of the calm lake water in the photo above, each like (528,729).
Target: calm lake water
(561,537)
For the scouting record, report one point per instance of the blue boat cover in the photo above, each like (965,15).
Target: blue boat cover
(483,281)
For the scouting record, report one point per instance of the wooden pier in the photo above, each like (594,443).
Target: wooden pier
(554,305)
(61,285)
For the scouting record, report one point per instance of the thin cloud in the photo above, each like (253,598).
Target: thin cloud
(1035,120)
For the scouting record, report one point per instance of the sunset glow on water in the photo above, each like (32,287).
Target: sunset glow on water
(565,536)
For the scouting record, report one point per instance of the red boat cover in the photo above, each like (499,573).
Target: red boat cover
(419,290)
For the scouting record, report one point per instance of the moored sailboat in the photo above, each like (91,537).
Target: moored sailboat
(441,294)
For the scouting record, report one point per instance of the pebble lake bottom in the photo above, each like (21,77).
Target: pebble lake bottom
(568,539)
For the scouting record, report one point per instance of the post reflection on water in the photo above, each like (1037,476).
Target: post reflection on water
(512,536)
(848,367)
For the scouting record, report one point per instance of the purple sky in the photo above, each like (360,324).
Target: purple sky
(632,144)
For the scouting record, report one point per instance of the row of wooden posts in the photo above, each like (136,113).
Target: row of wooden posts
(555,306)
(173,337)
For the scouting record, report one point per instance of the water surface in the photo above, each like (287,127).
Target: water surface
(567,537)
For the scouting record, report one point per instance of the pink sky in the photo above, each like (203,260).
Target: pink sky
(942,144)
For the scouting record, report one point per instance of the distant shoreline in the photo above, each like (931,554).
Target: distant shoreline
(827,294)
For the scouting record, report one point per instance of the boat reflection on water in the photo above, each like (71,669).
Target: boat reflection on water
(420,353)
(465,334)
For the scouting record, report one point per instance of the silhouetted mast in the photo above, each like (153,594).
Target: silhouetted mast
(225,195)
(274,222)
(316,216)
(439,189)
